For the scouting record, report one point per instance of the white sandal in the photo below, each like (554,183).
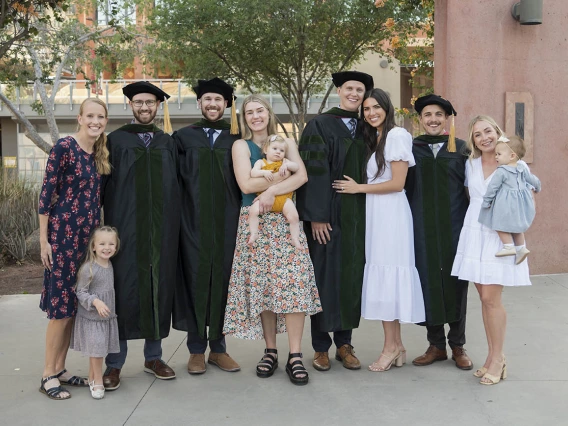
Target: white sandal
(97,391)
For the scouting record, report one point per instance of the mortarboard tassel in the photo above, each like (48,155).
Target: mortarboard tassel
(452,137)
(234,124)
(167,122)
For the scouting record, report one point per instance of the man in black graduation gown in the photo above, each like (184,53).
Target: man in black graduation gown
(210,216)
(332,146)
(438,200)
(141,199)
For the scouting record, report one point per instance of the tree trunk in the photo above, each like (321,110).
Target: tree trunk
(29,129)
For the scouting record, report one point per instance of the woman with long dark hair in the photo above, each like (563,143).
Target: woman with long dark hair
(391,286)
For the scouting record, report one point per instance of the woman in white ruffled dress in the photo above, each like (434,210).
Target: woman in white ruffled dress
(391,285)
(475,258)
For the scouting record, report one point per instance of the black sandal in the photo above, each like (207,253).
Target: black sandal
(53,393)
(297,369)
(267,364)
(73,380)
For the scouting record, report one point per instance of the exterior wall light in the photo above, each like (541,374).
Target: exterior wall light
(528,12)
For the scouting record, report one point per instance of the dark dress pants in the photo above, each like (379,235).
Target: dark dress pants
(456,336)
(321,340)
(197,344)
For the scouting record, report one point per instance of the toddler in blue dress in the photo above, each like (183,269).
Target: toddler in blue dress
(508,205)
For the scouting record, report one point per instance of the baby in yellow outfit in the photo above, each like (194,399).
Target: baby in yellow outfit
(275,162)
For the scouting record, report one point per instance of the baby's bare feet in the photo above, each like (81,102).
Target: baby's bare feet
(296,243)
(253,238)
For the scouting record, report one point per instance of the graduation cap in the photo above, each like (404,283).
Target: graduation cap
(216,85)
(448,108)
(341,77)
(134,89)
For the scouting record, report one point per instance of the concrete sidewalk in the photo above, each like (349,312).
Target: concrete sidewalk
(535,392)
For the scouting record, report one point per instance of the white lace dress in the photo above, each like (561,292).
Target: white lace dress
(391,285)
(475,258)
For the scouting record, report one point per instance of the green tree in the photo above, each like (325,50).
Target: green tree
(288,46)
(19,17)
(54,47)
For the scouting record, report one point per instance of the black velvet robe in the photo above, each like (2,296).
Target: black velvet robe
(141,199)
(438,200)
(329,152)
(211,201)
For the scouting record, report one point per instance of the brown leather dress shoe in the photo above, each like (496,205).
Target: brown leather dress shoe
(223,361)
(346,355)
(463,362)
(196,364)
(160,369)
(431,355)
(111,381)
(321,361)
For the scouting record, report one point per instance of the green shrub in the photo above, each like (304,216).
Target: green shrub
(18,213)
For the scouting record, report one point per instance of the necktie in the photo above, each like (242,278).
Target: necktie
(435,149)
(146,138)
(211,133)
(353,127)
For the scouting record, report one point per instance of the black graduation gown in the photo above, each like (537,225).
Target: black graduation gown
(438,200)
(141,199)
(329,152)
(211,201)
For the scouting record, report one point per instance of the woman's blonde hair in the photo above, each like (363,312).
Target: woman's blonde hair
(90,255)
(100,149)
(245,129)
(474,151)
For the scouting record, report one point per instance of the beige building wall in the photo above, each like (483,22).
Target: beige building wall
(481,53)
(386,77)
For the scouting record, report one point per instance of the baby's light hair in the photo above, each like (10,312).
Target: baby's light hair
(90,256)
(274,138)
(515,144)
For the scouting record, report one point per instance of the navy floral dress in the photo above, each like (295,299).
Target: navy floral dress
(72,182)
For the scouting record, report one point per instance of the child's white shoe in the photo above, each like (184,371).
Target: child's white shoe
(97,391)
(521,255)
(506,251)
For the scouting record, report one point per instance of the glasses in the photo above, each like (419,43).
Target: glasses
(139,103)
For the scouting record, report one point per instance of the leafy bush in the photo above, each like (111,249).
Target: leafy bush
(18,213)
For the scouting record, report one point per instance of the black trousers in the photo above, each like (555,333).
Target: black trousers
(321,340)
(197,345)
(456,336)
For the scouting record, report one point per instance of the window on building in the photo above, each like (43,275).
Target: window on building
(122,11)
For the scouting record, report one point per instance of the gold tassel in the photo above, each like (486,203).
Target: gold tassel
(452,137)
(234,124)
(167,122)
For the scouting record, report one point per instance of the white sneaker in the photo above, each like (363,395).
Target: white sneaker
(506,252)
(521,255)
(97,391)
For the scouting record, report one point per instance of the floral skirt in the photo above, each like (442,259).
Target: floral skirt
(269,275)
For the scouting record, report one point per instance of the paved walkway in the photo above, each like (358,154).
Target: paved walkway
(535,392)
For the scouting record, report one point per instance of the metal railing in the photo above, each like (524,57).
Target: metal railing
(73,92)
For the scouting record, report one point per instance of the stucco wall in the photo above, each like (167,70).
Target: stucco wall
(481,53)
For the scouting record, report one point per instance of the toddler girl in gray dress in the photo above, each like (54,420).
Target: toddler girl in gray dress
(508,205)
(95,333)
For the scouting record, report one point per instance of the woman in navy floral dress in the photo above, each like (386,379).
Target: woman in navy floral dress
(69,209)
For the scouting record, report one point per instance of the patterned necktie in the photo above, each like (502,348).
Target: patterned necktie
(211,133)
(353,127)
(435,149)
(146,138)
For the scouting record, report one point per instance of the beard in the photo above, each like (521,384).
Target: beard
(146,119)
(212,114)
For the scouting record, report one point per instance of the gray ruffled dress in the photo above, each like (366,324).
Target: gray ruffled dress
(508,205)
(93,335)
